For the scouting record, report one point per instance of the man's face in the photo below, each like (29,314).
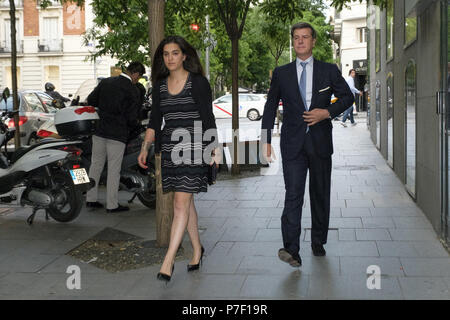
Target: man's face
(353,74)
(303,42)
(135,77)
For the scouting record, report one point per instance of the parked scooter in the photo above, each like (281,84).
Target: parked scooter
(47,175)
(134,179)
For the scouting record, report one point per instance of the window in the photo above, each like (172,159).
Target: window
(377,39)
(361,35)
(115,71)
(390,118)
(243,98)
(378,112)
(51,40)
(51,74)
(8,79)
(6,36)
(33,102)
(390,30)
(410,130)
(410,21)
(47,101)
(226,99)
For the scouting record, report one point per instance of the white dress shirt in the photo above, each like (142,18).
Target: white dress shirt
(309,78)
(351,84)
(126,76)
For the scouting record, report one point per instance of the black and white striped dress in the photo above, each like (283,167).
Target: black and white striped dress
(182,165)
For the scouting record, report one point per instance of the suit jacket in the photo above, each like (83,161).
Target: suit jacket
(202,95)
(116,99)
(327,80)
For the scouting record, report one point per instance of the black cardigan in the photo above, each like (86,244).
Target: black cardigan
(201,93)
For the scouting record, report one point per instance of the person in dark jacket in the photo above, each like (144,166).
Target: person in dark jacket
(116,100)
(50,90)
(182,96)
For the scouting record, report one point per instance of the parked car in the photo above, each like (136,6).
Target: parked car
(251,105)
(35,108)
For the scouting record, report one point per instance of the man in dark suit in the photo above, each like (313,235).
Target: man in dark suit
(305,86)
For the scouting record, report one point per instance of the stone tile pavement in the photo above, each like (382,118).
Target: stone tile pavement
(373,223)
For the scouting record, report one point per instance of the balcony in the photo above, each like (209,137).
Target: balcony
(6,48)
(50,46)
(4,4)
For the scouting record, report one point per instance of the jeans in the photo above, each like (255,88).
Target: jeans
(348,114)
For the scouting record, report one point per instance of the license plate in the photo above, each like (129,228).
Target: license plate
(79,176)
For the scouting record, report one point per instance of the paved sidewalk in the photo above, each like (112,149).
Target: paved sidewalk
(373,223)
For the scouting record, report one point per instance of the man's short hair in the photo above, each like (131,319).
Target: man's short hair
(351,70)
(136,67)
(303,25)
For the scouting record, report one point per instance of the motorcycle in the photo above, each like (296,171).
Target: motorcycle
(47,175)
(134,179)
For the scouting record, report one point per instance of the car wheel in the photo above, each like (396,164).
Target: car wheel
(33,139)
(253,115)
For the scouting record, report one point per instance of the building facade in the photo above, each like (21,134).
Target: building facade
(408,115)
(350,43)
(49,46)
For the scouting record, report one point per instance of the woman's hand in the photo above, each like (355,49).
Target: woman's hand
(142,159)
(216,157)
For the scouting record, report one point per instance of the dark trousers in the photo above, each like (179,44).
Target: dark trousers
(295,172)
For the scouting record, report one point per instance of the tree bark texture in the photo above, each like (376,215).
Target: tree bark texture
(164,202)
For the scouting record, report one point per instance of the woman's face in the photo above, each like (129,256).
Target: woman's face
(173,56)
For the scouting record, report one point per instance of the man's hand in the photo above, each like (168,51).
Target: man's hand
(268,153)
(315,116)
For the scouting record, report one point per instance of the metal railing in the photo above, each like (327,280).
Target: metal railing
(50,45)
(5,47)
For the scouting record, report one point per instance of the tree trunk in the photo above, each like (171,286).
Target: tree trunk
(12,13)
(155,23)
(235,170)
(164,202)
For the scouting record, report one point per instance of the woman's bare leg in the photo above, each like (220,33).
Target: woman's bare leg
(181,207)
(192,228)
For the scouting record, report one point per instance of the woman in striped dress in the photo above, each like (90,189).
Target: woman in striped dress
(182,97)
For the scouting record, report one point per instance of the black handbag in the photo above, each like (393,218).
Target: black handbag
(212,173)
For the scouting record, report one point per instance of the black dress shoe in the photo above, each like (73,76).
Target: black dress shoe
(318,250)
(165,277)
(118,209)
(95,205)
(294,261)
(192,267)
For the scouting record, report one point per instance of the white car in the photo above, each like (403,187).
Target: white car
(250,105)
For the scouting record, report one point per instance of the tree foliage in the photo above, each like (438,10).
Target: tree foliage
(339,4)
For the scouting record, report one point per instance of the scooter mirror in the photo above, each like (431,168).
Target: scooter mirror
(6,94)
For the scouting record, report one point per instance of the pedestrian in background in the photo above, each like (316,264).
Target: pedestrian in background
(182,96)
(116,100)
(351,84)
(50,90)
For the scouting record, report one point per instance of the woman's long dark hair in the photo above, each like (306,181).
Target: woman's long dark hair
(191,63)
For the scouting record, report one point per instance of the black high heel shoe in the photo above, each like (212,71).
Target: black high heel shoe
(192,267)
(165,277)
